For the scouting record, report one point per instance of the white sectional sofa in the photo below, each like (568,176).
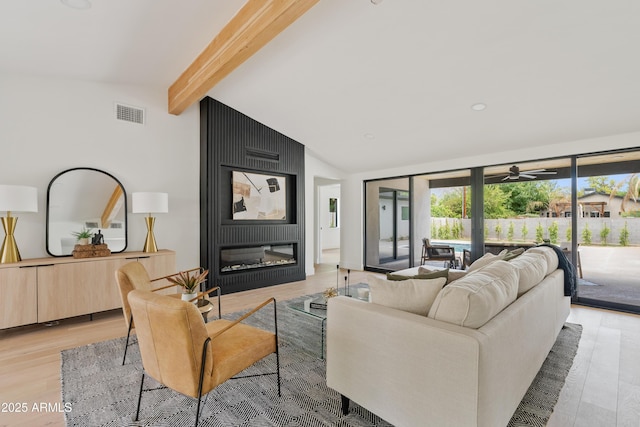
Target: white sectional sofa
(468,362)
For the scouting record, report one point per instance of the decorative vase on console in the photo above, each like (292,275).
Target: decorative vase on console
(189,283)
(82,236)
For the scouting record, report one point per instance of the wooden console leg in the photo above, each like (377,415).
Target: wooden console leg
(345,404)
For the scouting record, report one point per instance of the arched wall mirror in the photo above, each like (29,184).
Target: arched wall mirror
(85,198)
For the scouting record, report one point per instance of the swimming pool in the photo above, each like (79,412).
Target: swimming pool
(457,245)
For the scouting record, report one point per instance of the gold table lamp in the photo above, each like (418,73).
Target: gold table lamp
(146,202)
(14,198)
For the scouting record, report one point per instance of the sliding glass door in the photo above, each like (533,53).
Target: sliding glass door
(387,224)
(402,212)
(588,205)
(394,227)
(608,234)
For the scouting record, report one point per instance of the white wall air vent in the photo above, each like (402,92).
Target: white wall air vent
(131,114)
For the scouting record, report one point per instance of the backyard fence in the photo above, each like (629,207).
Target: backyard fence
(591,231)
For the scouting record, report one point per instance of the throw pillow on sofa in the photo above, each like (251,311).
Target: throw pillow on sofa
(412,295)
(513,254)
(451,273)
(433,274)
(485,260)
(476,298)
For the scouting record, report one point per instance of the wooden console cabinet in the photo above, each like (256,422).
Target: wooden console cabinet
(46,289)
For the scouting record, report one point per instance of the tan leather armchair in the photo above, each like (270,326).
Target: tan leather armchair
(134,276)
(189,356)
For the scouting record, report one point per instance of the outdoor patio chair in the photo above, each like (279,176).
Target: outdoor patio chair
(438,253)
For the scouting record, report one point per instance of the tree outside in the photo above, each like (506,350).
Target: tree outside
(524,202)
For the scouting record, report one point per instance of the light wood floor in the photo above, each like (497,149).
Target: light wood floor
(602,389)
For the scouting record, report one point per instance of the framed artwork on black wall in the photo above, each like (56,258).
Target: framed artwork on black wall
(258,196)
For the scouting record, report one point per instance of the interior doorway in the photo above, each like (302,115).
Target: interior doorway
(328,224)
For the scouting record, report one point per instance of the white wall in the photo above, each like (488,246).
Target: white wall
(48,125)
(351,238)
(421,215)
(317,173)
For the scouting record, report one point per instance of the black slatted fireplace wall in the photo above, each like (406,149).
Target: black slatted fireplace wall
(251,201)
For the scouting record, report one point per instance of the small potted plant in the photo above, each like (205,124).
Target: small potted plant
(83,236)
(189,282)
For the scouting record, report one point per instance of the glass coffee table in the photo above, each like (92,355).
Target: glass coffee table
(311,308)
(315,313)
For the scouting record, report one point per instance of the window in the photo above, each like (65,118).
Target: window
(405,213)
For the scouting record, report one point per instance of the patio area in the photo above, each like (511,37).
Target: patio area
(610,273)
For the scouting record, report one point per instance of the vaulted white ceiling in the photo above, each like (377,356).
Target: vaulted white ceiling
(367,87)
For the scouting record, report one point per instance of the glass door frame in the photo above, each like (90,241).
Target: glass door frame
(409,179)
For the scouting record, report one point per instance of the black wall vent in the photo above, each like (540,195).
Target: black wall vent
(262,155)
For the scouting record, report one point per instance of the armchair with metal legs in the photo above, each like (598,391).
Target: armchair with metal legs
(438,253)
(191,357)
(134,276)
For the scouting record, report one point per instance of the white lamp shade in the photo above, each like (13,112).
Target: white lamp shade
(149,202)
(18,198)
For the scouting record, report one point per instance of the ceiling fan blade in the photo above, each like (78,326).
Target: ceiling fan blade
(507,177)
(534,171)
(546,173)
(524,175)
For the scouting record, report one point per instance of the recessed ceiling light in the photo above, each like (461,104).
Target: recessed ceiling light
(479,106)
(369,136)
(77,4)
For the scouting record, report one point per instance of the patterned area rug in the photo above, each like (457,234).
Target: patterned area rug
(537,404)
(102,392)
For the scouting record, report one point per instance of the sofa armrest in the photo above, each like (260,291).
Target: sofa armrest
(405,368)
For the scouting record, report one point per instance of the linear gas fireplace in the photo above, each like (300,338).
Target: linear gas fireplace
(257,257)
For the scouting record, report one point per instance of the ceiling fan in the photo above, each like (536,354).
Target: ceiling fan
(515,173)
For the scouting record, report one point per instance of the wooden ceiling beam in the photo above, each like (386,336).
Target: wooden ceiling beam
(255,24)
(113,207)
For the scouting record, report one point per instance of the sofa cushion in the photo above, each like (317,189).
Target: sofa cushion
(474,299)
(434,274)
(412,295)
(485,260)
(452,274)
(549,254)
(532,268)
